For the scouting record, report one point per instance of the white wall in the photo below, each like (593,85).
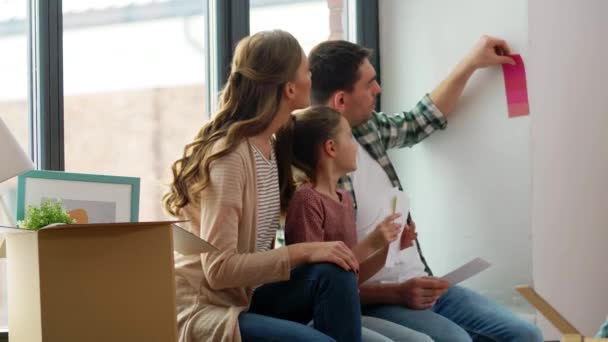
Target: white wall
(567,82)
(471,184)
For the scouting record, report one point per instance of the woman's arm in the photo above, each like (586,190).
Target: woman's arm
(221,213)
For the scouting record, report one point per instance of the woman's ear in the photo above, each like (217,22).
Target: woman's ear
(289,90)
(329,148)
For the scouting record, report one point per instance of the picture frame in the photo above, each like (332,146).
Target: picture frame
(104,199)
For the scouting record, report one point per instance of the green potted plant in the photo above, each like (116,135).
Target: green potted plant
(47,213)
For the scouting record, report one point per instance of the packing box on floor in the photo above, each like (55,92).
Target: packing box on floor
(568,331)
(94,282)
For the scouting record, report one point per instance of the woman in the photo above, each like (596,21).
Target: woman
(226,185)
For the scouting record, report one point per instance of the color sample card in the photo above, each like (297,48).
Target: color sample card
(466,271)
(516,88)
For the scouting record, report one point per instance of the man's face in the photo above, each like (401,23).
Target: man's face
(361,101)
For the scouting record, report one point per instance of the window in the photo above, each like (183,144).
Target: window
(134,88)
(135,80)
(310,21)
(13,101)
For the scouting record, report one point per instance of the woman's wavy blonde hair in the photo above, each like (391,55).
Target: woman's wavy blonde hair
(262,65)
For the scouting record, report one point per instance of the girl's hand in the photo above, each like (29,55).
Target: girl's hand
(386,231)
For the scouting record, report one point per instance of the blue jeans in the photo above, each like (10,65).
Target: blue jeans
(321,292)
(256,328)
(461,315)
(380,330)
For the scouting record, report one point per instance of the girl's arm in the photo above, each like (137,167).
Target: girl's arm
(385,232)
(373,264)
(371,252)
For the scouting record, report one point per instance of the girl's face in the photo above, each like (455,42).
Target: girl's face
(345,148)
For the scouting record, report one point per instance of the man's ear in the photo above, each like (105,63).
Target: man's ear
(338,101)
(329,147)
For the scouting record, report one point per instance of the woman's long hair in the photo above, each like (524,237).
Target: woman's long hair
(263,63)
(299,144)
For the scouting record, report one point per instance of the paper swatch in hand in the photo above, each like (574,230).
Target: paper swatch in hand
(466,271)
(516,87)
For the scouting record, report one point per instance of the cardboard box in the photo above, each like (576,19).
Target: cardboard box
(95,282)
(568,331)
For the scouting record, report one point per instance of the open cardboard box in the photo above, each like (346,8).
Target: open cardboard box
(568,331)
(95,282)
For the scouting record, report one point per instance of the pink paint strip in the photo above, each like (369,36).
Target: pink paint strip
(515,86)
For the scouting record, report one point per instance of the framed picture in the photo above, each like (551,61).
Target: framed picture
(104,199)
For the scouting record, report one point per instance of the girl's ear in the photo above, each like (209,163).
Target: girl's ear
(329,148)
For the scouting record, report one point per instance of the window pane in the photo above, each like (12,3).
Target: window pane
(310,21)
(134,87)
(13,106)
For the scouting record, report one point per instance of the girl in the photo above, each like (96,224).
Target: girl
(318,141)
(226,185)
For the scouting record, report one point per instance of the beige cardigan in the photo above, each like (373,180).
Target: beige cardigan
(214,288)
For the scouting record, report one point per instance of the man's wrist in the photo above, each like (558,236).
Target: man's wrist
(380,294)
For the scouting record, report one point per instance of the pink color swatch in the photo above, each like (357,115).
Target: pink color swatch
(515,86)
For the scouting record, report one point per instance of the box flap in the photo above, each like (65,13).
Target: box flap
(184,242)
(114,224)
(552,315)
(187,243)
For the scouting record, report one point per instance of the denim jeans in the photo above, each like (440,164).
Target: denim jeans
(256,328)
(461,315)
(321,292)
(380,330)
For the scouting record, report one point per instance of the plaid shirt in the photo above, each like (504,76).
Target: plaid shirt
(386,131)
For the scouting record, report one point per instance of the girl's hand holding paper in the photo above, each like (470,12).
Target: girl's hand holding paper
(387,231)
(398,202)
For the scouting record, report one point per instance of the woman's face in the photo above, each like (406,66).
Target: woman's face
(296,93)
(302,84)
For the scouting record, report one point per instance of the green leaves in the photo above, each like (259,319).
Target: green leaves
(48,213)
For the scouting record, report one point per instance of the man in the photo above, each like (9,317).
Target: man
(344,79)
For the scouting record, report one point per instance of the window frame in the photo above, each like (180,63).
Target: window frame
(227,23)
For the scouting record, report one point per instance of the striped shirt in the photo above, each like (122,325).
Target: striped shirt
(267,180)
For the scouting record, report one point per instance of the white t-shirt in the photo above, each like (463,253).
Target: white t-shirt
(371,183)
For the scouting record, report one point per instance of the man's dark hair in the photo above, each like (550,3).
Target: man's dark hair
(334,66)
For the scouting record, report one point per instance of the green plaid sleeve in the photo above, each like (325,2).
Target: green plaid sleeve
(603,330)
(406,129)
